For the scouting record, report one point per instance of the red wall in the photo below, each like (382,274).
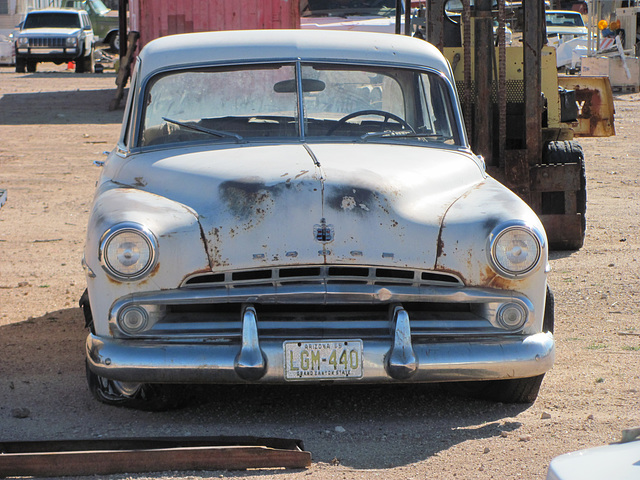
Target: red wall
(157,18)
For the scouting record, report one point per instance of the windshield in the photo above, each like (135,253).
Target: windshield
(337,8)
(99,7)
(52,19)
(564,20)
(261,102)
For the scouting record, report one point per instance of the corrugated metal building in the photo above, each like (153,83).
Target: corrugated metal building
(158,18)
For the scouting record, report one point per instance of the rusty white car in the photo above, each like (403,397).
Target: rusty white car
(304,207)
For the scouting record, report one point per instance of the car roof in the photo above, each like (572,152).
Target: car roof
(266,45)
(55,10)
(563,12)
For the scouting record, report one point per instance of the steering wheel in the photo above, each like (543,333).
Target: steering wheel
(387,116)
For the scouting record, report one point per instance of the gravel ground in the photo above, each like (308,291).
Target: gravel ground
(55,123)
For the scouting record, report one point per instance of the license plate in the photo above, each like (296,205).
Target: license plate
(330,359)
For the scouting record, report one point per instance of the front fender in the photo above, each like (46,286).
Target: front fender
(463,245)
(180,251)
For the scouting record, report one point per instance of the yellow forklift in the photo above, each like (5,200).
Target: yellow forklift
(517,116)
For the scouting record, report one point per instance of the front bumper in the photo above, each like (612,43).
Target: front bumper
(52,54)
(440,360)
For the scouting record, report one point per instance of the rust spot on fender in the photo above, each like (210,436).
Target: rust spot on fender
(113,280)
(440,246)
(140,282)
(491,279)
(455,273)
(215,257)
(155,270)
(200,271)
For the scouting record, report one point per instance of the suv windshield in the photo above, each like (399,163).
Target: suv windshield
(337,8)
(564,19)
(52,19)
(99,7)
(262,102)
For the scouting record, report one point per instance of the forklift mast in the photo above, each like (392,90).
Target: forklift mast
(510,121)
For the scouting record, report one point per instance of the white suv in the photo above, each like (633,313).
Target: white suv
(58,35)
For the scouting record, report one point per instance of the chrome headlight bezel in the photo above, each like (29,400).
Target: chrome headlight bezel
(148,244)
(533,244)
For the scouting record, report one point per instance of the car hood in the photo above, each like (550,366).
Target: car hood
(49,31)
(308,204)
(576,31)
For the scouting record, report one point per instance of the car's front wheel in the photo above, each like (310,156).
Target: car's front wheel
(516,390)
(140,396)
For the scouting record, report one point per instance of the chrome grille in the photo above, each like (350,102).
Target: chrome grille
(319,302)
(318,321)
(55,42)
(325,275)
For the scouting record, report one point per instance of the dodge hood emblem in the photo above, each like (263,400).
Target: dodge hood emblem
(322,232)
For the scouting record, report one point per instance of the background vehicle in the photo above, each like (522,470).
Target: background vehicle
(360,16)
(516,114)
(565,24)
(619,461)
(55,35)
(104,21)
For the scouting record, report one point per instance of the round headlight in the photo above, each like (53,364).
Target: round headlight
(515,250)
(72,41)
(128,251)
(511,316)
(133,319)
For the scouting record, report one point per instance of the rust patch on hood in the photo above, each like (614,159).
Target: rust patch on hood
(216,259)
(245,197)
(357,200)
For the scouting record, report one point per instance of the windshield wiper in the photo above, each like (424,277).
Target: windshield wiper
(406,133)
(198,128)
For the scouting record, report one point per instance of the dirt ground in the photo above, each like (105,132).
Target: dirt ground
(55,123)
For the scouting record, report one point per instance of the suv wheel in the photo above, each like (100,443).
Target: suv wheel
(85,64)
(114,43)
(21,65)
(31,66)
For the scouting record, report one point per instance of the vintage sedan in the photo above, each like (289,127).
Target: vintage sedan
(303,207)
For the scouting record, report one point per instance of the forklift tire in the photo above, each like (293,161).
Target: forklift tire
(560,153)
